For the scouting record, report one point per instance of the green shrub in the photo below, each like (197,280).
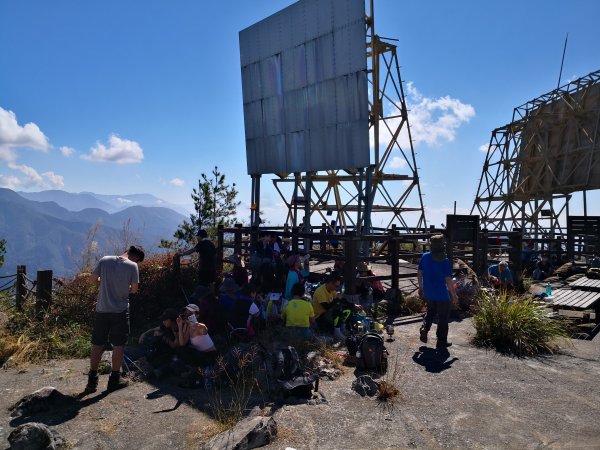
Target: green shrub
(412,305)
(516,326)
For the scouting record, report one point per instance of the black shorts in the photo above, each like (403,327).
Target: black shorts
(111,327)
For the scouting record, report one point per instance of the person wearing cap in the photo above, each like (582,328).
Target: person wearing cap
(436,288)
(207,264)
(196,345)
(161,343)
(118,277)
(500,274)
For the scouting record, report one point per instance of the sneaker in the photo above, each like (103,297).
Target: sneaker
(443,344)
(92,384)
(115,382)
(423,335)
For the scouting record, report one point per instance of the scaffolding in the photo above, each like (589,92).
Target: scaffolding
(535,164)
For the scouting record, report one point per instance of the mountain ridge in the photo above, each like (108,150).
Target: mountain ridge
(47,235)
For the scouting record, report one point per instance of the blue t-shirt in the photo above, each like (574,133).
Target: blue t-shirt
(434,278)
(504,277)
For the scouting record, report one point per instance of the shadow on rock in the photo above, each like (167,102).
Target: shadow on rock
(433,360)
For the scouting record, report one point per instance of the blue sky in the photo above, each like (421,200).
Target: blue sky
(121,97)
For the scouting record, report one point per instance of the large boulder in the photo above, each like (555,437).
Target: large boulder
(34,436)
(43,400)
(252,432)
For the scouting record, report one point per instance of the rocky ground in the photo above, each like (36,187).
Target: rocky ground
(464,398)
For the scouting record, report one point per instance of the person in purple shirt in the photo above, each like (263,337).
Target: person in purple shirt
(436,288)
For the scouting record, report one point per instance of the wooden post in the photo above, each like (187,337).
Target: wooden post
(295,231)
(516,247)
(43,290)
(323,238)
(483,252)
(220,242)
(237,239)
(21,290)
(350,265)
(393,247)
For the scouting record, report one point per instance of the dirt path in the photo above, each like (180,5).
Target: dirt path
(468,398)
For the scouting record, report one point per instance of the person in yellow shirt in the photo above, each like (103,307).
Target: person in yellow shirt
(323,303)
(298,314)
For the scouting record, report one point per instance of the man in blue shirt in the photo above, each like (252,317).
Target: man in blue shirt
(436,288)
(500,274)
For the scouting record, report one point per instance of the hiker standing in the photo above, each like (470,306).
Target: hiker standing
(436,288)
(118,277)
(207,264)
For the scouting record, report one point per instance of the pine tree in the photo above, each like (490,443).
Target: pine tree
(215,204)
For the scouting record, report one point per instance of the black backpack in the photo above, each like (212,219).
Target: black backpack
(371,354)
(289,373)
(287,364)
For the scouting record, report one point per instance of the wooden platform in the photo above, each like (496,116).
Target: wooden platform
(586,283)
(575,298)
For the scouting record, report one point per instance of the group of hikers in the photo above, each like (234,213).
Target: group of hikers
(273,291)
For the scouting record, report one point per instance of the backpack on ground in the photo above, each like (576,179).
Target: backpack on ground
(301,386)
(287,364)
(290,375)
(371,354)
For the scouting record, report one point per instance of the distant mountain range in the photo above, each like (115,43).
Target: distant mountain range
(51,229)
(109,203)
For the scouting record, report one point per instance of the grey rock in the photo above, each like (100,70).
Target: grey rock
(34,436)
(43,400)
(251,432)
(365,385)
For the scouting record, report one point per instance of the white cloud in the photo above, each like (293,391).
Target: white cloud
(434,120)
(53,180)
(13,136)
(397,163)
(124,200)
(31,178)
(119,151)
(177,182)
(66,151)
(483,148)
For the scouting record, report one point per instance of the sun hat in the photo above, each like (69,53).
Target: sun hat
(192,308)
(438,247)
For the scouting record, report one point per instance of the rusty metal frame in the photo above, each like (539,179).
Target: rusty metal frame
(501,200)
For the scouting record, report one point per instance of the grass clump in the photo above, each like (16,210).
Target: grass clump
(517,326)
(412,305)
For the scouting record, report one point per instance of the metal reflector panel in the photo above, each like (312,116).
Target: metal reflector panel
(304,86)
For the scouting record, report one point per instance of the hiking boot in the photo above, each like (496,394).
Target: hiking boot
(92,383)
(423,335)
(115,382)
(443,344)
